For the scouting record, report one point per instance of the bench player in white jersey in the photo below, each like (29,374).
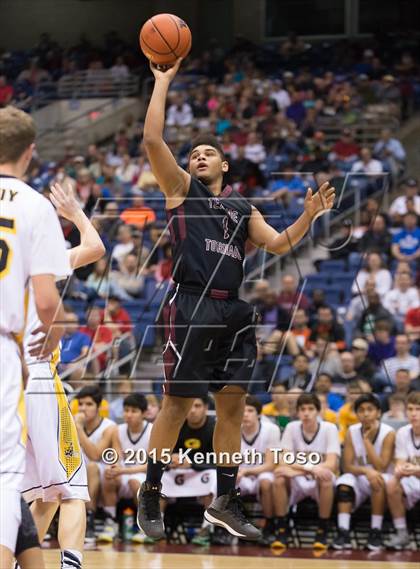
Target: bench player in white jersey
(55,472)
(403,488)
(32,249)
(130,440)
(367,464)
(308,468)
(256,477)
(95,435)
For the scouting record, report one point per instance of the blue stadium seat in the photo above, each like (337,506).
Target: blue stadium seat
(317,281)
(333,294)
(332,265)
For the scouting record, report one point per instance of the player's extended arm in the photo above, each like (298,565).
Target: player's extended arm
(262,235)
(91,247)
(382,461)
(173,180)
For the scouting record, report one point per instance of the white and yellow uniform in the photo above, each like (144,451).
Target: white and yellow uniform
(54,461)
(95,436)
(407,448)
(130,443)
(325,441)
(360,484)
(266,438)
(31,243)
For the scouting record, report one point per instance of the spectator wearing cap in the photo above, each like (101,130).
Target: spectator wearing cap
(345,151)
(400,207)
(363,366)
(406,243)
(377,239)
(138,214)
(391,153)
(376,271)
(401,297)
(402,359)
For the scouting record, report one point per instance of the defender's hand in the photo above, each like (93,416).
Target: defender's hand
(320,202)
(64,201)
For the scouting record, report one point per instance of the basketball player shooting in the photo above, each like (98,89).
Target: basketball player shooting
(210,332)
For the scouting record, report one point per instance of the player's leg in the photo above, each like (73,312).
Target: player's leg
(227,510)
(94,487)
(43,514)
(71,532)
(378,503)
(110,491)
(163,438)
(28,551)
(265,483)
(281,501)
(346,497)
(325,500)
(395,497)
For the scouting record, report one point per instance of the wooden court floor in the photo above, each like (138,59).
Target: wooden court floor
(140,558)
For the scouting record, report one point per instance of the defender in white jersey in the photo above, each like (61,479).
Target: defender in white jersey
(255,475)
(368,452)
(95,435)
(32,249)
(403,488)
(55,470)
(308,468)
(123,479)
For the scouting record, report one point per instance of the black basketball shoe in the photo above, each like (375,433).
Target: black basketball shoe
(149,516)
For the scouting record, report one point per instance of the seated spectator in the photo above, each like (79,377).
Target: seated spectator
(301,376)
(127,172)
(74,349)
(374,270)
(377,239)
(34,74)
(391,152)
(345,151)
(153,408)
(116,317)
(327,414)
(125,243)
(6,92)
(317,301)
(399,207)
(359,302)
(367,165)
(100,337)
(382,345)
(179,113)
(280,342)
(326,358)
(127,277)
(273,317)
(412,327)
(301,330)
(278,408)
(403,386)
(296,111)
(116,407)
(292,395)
(288,185)
(84,186)
(138,214)
(254,149)
(119,71)
(363,366)
(402,297)
(396,416)
(402,359)
(289,295)
(406,243)
(374,312)
(163,270)
(343,243)
(347,415)
(347,374)
(110,221)
(259,292)
(98,279)
(280,95)
(327,327)
(323,386)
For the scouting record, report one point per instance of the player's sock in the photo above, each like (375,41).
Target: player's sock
(376,522)
(323,523)
(154,471)
(400,524)
(281,521)
(344,521)
(226,479)
(111,511)
(71,559)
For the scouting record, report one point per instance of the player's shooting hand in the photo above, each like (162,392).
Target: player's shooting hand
(320,202)
(165,72)
(64,201)
(47,342)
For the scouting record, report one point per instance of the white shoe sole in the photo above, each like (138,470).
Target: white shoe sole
(221,524)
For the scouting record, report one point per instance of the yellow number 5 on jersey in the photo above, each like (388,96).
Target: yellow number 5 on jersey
(6,224)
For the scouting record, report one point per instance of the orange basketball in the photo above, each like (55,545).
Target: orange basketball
(164,38)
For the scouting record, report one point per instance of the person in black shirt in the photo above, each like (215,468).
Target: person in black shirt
(210,333)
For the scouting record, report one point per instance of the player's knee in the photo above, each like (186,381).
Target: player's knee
(92,469)
(393,486)
(176,409)
(265,485)
(326,483)
(280,482)
(345,494)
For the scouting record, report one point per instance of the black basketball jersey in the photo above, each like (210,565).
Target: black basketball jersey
(208,236)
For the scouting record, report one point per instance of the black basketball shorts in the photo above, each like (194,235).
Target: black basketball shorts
(210,342)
